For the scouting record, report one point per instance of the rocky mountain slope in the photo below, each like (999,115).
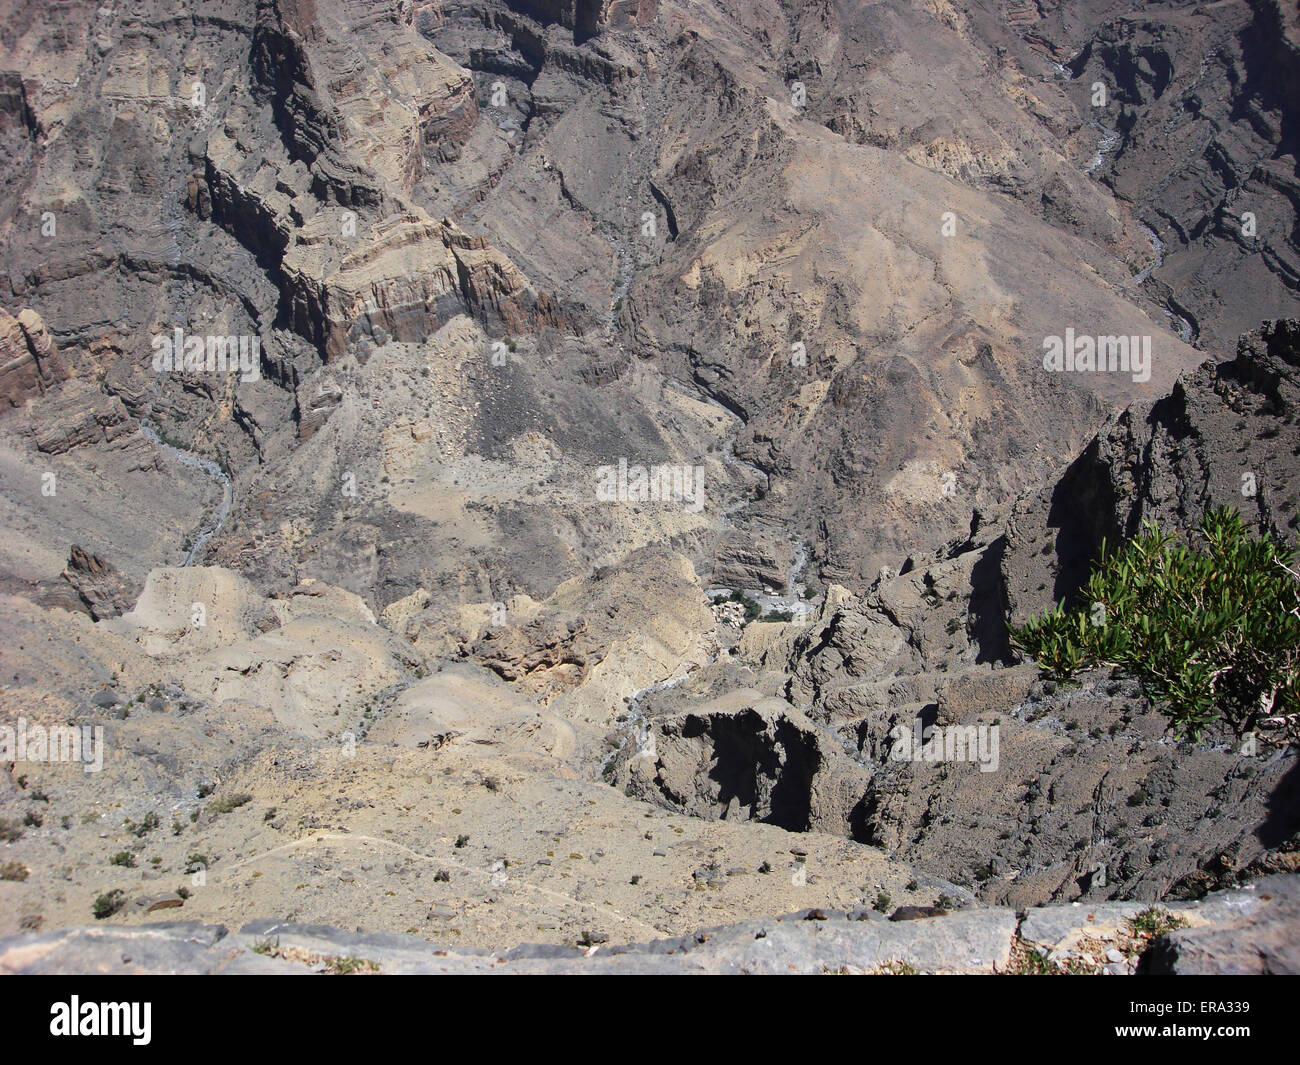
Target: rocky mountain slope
(364,623)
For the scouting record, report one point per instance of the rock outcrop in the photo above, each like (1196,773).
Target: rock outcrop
(1235,932)
(745,758)
(587,17)
(29,363)
(1225,436)
(91,585)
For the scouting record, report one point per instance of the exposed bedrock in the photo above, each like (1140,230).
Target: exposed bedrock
(1084,795)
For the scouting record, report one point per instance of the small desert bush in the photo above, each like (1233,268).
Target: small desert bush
(230,802)
(108,904)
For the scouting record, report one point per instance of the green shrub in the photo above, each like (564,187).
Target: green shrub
(15,871)
(1210,631)
(350,965)
(146,825)
(108,904)
(230,802)
(1154,921)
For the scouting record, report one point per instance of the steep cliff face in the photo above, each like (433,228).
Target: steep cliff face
(589,17)
(29,363)
(722,159)
(745,758)
(248,174)
(1200,139)
(1225,436)
(344,108)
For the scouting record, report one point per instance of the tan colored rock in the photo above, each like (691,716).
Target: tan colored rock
(29,361)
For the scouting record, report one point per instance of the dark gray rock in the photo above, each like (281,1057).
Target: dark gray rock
(1255,931)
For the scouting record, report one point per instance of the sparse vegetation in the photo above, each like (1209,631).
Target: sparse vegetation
(14,871)
(1030,961)
(1155,921)
(230,802)
(335,965)
(349,965)
(147,824)
(108,904)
